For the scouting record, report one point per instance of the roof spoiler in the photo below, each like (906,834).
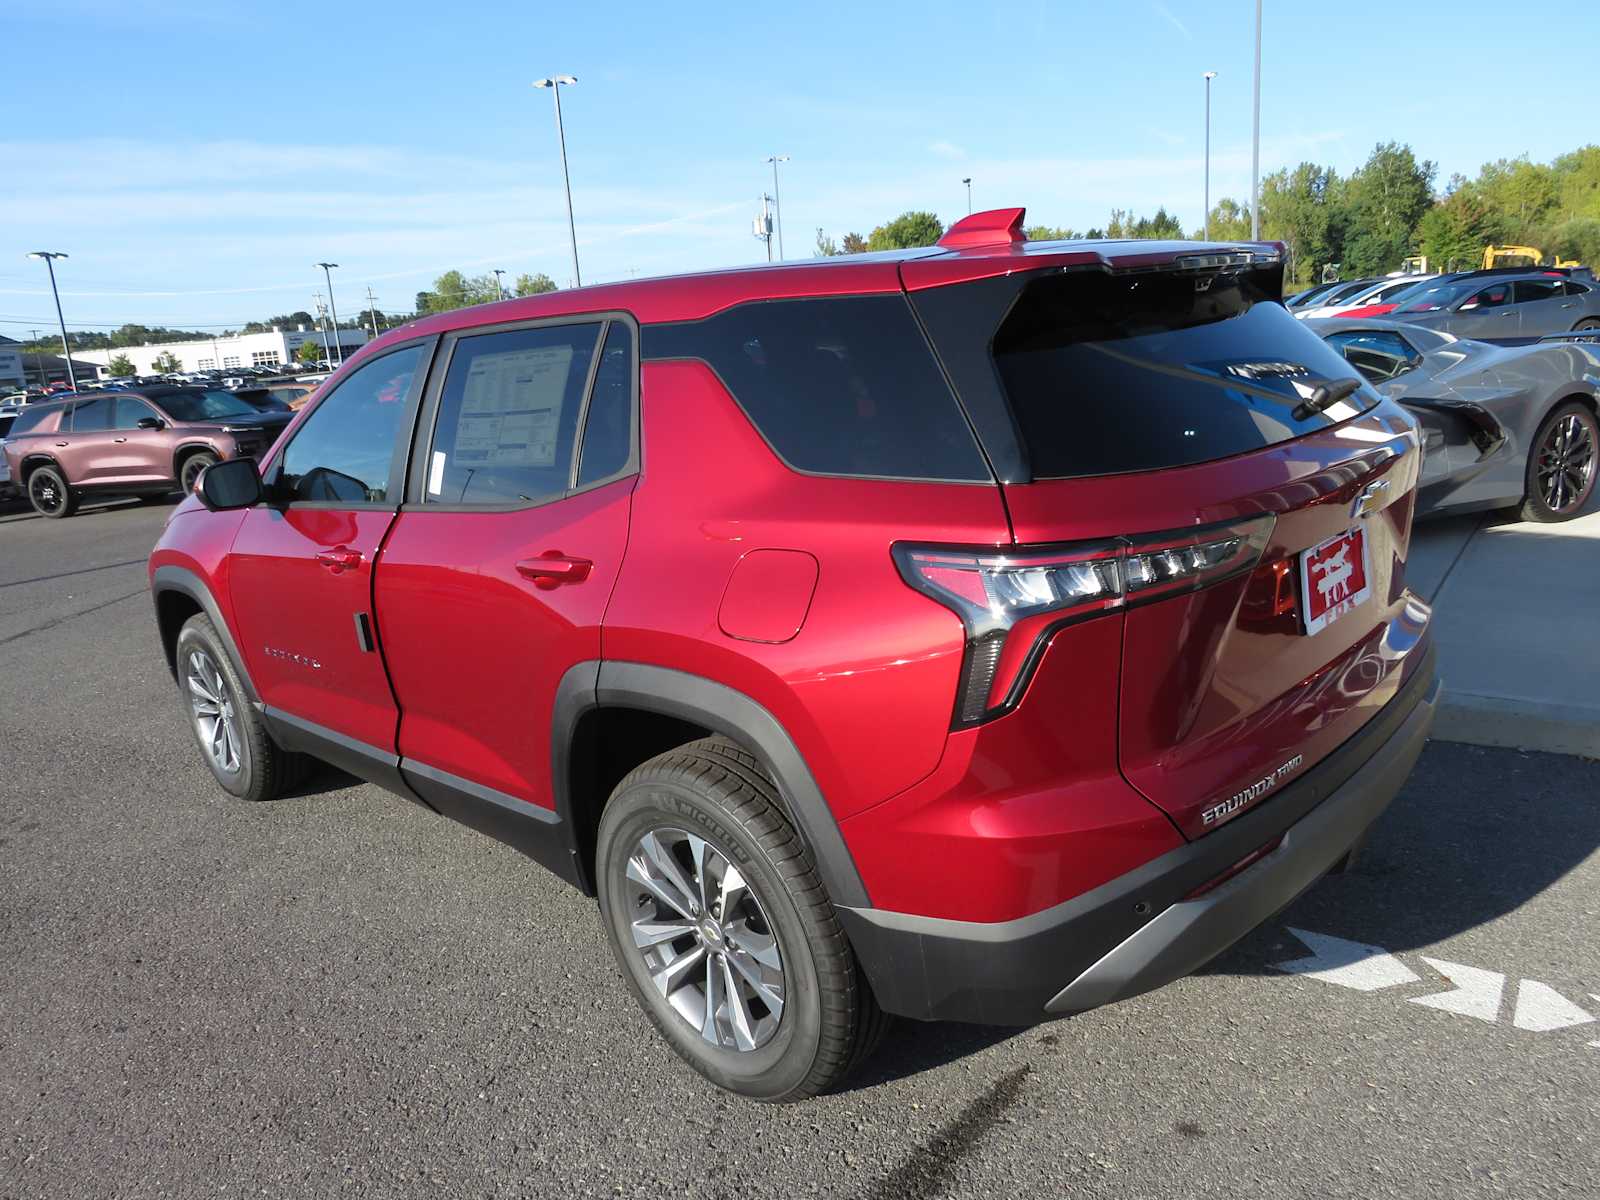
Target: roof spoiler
(994,227)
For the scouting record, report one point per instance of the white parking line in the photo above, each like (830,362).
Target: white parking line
(1477,992)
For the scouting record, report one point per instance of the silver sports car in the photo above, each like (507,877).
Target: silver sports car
(1504,426)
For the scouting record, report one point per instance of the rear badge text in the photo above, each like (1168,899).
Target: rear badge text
(1248,796)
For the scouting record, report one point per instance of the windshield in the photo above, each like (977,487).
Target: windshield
(204,406)
(1435,297)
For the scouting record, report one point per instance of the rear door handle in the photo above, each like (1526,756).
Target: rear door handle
(62,443)
(340,558)
(553,568)
(119,441)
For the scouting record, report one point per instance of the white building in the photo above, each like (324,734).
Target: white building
(220,353)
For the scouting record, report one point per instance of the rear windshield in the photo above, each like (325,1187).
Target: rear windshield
(1112,373)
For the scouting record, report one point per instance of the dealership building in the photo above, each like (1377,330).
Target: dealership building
(274,348)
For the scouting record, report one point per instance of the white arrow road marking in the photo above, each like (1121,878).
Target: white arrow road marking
(1476,994)
(1348,964)
(1541,1008)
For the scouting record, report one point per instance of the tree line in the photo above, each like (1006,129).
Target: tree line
(1368,222)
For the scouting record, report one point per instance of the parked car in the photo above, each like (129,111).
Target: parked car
(1504,426)
(133,443)
(8,487)
(1500,305)
(984,632)
(1301,299)
(261,399)
(1379,292)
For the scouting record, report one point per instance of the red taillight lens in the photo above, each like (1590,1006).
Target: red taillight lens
(1013,601)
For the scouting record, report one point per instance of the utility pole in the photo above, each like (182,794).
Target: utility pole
(1255,142)
(327,271)
(322,327)
(216,353)
(1206,225)
(372,311)
(968,182)
(762,225)
(50,257)
(777,203)
(499,288)
(554,83)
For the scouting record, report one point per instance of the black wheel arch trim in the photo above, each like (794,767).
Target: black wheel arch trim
(716,706)
(172,578)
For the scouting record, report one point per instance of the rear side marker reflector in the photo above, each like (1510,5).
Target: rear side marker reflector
(1244,864)
(1012,601)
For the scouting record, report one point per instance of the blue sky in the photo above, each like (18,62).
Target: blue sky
(195,157)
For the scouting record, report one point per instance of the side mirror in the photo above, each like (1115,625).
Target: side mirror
(152,423)
(235,483)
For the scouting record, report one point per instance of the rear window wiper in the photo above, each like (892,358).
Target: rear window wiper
(1324,396)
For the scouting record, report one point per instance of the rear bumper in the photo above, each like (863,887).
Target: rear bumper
(1137,932)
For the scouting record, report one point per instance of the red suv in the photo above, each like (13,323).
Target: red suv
(147,442)
(985,632)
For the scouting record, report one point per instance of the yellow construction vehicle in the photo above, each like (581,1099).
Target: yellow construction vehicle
(1521,256)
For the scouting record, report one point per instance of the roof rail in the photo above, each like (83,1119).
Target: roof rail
(994,227)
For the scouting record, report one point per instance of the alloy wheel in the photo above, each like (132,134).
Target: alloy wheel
(1566,463)
(46,493)
(705,939)
(214,718)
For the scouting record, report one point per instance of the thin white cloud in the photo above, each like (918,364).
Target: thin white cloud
(946,149)
(1173,21)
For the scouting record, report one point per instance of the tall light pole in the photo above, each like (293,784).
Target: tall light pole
(372,311)
(1255,142)
(777,202)
(1206,225)
(499,288)
(50,257)
(322,327)
(968,182)
(554,83)
(338,349)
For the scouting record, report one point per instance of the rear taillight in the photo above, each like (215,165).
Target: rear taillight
(1013,601)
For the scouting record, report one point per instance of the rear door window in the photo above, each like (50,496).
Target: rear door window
(1529,290)
(1114,373)
(92,415)
(508,415)
(836,385)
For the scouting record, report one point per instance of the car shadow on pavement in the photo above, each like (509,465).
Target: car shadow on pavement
(1476,833)
(322,779)
(911,1047)
(14,511)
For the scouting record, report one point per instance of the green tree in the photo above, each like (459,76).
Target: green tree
(310,351)
(1577,238)
(1049,233)
(121,364)
(1124,224)
(1230,222)
(853,243)
(1301,208)
(1577,178)
(166,362)
(1385,200)
(454,290)
(534,285)
(826,246)
(908,230)
(1454,231)
(1523,194)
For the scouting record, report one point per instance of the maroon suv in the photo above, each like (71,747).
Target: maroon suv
(131,443)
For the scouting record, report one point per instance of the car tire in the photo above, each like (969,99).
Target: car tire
(50,493)
(1567,441)
(189,472)
(772,934)
(1587,325)
(232,736)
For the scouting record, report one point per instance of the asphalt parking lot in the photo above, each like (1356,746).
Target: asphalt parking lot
(340,994)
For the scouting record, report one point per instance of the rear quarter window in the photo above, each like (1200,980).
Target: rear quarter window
(836,385)
(1114,373)
(31,419)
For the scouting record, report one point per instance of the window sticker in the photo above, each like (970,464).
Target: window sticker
(436,473)
(511,408)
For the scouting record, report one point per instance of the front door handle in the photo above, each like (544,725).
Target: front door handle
(340,558)
(61,443)
(553,568)
(119,441)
